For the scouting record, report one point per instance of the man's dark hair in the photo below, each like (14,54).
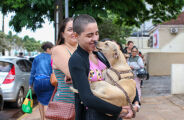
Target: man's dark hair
(81,21)
(46,45)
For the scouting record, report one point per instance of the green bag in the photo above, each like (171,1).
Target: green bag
(28,103)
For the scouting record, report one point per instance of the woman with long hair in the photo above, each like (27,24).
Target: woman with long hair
(61,53)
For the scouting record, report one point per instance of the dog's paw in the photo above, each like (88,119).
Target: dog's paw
(73,89)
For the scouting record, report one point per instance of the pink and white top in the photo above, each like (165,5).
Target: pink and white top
(95,73)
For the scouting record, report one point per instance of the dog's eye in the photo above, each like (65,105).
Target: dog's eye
(106,44)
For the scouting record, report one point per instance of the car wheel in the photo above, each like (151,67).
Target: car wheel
(20,98)
(1,103)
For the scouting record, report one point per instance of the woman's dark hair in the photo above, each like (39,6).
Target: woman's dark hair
(130,42)
(61,40)
(135,48)
(46,45)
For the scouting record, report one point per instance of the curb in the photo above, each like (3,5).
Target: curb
(25,114)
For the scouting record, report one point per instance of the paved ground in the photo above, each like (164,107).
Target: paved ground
(157,103)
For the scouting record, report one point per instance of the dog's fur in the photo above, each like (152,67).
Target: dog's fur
(106,90)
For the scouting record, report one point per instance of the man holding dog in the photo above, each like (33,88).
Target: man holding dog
(88,106)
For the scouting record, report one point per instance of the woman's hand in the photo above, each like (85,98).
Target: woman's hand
(68,79)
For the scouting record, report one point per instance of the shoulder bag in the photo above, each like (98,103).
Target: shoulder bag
(53,79)
(60,110)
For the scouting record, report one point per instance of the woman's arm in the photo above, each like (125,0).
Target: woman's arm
(80,81)
(33,71)
(60,58)
(140,62)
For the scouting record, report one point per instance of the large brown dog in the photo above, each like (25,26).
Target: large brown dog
(106,90)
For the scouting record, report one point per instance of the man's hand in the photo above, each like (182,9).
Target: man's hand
(129,115)
(123,112)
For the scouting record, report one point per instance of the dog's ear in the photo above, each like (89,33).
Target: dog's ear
(115,54)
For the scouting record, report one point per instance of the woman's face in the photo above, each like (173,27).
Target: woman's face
(130,46)
(134,52)
(68,34)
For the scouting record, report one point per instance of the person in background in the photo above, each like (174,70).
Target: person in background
(127,50)
(142,56)
(40,77)
(135,62)
(65,47)
(88,106)
(21,54)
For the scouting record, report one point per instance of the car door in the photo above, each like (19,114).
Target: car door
(28,72)
(22,75)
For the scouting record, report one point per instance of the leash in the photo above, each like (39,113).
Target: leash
(127,97)
(122,72)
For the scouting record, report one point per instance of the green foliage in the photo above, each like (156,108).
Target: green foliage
(31,13)
(11,41)
(2,41)
(30,44)
(108,29)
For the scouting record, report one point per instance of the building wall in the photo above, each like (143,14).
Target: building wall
(165,36)
(159,63)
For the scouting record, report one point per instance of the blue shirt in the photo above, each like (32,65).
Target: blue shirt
(41,67)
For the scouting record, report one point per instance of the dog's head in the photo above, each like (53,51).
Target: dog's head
(110,49)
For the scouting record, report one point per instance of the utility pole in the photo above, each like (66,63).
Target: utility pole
(66,9)
(58,17)
(3,50)
(3,24)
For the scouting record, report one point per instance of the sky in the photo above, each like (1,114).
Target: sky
(46,33)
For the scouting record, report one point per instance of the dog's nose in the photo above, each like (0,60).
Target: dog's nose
(95,43)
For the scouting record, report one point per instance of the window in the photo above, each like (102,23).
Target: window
(5,66)
(22,65)
(28,65)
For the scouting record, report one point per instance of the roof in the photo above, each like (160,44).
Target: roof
(178,21)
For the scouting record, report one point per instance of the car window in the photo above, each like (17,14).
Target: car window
(22,65)
(5,66)
(28,65)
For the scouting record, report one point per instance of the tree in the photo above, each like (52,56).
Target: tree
(3,44)
(31,13)
(30,44)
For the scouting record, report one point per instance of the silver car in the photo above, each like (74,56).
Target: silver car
(14,79)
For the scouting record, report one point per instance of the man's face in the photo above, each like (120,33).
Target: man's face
(87,38)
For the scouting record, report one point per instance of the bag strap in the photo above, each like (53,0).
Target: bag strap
(29,93)
(127,97)
(54,92)
(69,52)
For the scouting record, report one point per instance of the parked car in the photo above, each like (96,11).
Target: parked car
(1,100)
(14,79)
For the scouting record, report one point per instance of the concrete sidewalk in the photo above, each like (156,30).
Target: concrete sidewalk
(157,103)
(162,108)
(153,108)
